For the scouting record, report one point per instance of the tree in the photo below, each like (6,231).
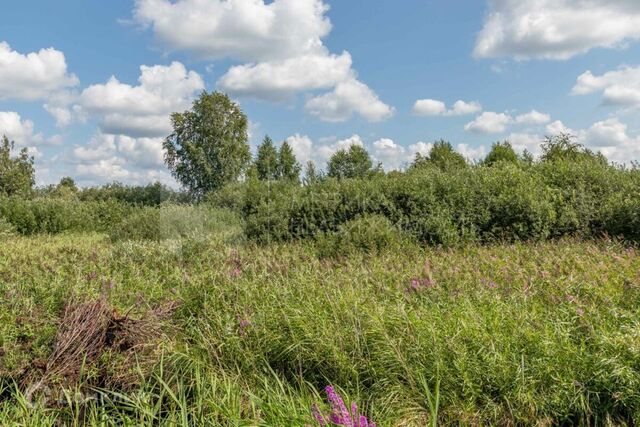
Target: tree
(17,175)
(501,152)
(208,147)
(564,147)
(352,163)
(267,160)
(68,182)
(442,155)
(288,166)
(311,175)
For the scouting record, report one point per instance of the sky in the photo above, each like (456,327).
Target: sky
(88,87)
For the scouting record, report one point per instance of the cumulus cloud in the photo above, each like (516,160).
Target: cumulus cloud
(471,153)
(120,157)
(391,154)
(142,110)
(533,118)
(556,29)
(302,147)
(521,141)
(348,98)
(34,75)
(620,87)
(611,137)
(421,147)
(434,107)
(489,122)
(18,130)
(557,127)
(279,80)
(281,43)
(249,30)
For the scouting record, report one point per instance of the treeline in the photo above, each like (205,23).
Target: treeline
(441,198)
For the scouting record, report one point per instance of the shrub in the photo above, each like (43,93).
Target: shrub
(368,234)
(6,229)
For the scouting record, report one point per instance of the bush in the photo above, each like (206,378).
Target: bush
(368,234)
(6,229)
(55,215)
(178,222)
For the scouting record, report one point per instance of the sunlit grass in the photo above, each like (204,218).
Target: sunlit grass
(530,334)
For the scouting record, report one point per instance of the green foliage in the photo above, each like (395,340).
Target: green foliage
(354,162)
(56,215)
(266,162)
(208,147)
(501,152)
(442,155)
(6,229)
(368,234)
(517,334)
(17,175)
(562,147)
(288,166)
(448,207)
(148,195)
(177,223)
(311,175)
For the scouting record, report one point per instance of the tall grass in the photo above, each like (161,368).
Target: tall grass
(505,334)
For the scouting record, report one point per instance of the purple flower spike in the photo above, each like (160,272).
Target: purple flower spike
(318,416)
(339,408)
(340,415)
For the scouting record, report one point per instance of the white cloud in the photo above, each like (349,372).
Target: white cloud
(557,127)
(610,132)
(249,30)
(461,108)
(142,110)
(282,42)
(489,122)
(612,139)
(420,147)
(433,107)
(302,147)
(32,76)
(620,87)
(533,118)
(122,158)
(521,141)
(348,98)
(556,29)
(279,80)
(429,107)
(18,130)
(392,155)
(324,152)
(471,153)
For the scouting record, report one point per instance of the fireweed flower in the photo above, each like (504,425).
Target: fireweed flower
(340,415)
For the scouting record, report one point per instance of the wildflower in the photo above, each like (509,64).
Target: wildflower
(243,325)
(417,284)
(340,415)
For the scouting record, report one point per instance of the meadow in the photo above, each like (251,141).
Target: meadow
(504,292)
(219,330)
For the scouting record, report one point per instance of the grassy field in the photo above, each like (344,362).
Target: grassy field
(220,332)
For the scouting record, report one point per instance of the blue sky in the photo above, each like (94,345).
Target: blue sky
(391,76)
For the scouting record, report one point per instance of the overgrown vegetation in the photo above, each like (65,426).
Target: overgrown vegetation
(504,292)
(517,334)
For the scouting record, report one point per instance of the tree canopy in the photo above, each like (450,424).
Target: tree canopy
(17,175)
(352,163)
(208,147)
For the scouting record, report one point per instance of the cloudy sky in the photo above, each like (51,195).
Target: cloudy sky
(88,86)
